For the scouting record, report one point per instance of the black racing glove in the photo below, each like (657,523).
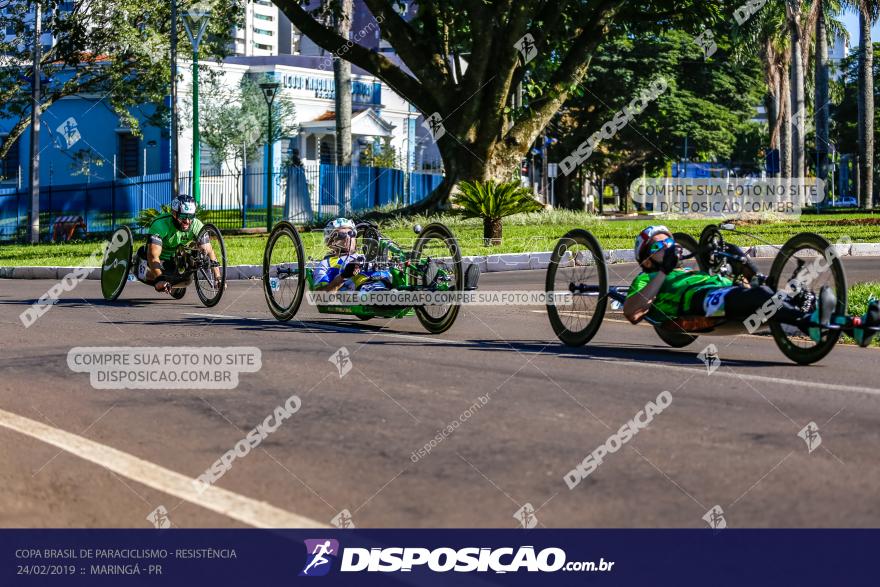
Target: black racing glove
(670,260)
(349,270)
(744,266)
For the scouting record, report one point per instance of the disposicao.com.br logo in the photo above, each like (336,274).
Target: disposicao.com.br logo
(322,553)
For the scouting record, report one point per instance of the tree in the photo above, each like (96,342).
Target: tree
(342,96)
(546,46)
(493,202)
(801,17)
(845,113)
(708,104)
(233,123)
(117,49)
(776,57)
(868,12)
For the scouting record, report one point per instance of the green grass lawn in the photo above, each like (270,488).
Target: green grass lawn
(522,233)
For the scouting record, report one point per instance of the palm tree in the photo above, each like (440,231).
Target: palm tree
(868,12)
(768,31)
(827,24)
(801,18)
(492,202)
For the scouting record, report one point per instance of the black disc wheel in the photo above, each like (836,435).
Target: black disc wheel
(116,263)
(577,288)
(284,271)
(803,265)
(178,293)
(436,258)
(210,265)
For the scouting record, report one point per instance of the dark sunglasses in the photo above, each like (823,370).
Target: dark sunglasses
(660,245)
(182,216)
(349,233)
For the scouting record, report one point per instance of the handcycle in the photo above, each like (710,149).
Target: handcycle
(806,262)
(190,264)
(434,264)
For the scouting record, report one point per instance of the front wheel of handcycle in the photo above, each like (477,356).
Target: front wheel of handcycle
(436,266)
(284,271)
(803,265)
(116,263)
(578,275)
(210,261)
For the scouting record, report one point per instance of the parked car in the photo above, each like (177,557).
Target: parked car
(845,202)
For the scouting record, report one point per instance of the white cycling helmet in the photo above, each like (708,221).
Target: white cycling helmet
(643,240)
(184,204)
(333,228)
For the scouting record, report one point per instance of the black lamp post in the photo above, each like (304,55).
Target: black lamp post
(270,90)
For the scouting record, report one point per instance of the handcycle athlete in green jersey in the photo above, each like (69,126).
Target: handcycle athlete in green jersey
(165,235)
(664,291)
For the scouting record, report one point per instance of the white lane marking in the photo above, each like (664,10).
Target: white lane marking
(232,505)
(764,378)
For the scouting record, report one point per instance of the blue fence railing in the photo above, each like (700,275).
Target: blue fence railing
(233,200)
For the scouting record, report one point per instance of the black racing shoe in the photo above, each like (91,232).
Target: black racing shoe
(866,332)
(823,313)
(472,277)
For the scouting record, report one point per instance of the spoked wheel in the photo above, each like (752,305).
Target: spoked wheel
(805,264)
(690,259)
(577,288)
(116,263)
(437,259)
(284,271)
(210,271)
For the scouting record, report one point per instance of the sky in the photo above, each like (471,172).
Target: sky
(851,20)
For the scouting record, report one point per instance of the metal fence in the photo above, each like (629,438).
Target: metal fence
(302,195)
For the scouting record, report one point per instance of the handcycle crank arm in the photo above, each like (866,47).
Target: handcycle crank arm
(618,294)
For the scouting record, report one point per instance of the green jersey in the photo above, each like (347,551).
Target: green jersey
(677,291)
(163,231)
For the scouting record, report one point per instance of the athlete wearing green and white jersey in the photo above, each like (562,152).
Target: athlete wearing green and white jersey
(679,290)
(666,292)
(165,234)
(164,231)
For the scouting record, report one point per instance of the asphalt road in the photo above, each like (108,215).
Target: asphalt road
(727,439)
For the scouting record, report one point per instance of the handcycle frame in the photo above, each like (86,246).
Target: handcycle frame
(712,256)
(189,257)
(408,270)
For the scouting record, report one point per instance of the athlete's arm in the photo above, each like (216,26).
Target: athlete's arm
(638,305)
(350,270)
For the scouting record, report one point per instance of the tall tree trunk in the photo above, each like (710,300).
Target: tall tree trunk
(821,97)
(342,97)
(785,127)
(866,110)
(798,104)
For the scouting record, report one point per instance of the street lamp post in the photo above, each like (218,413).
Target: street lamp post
(195,21)
(270,90)
(35,127)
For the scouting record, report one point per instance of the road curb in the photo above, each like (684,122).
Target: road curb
(486,263)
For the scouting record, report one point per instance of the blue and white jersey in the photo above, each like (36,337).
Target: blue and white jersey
(331,266)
